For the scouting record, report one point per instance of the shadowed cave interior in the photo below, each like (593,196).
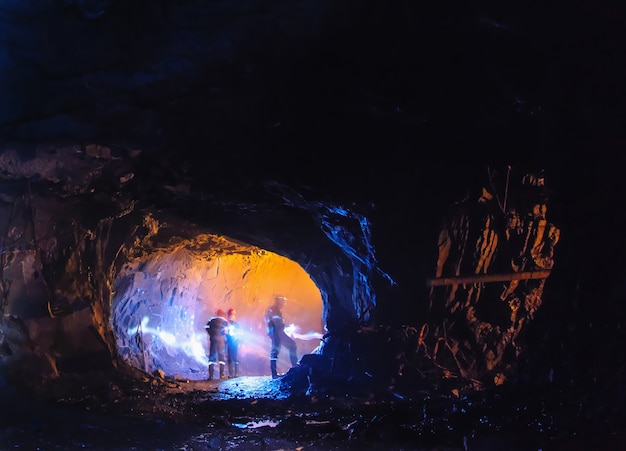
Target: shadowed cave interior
(437,189)
(136,286)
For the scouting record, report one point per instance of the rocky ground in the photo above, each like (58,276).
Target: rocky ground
(142,412)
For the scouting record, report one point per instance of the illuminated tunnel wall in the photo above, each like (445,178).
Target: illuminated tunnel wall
(163,299)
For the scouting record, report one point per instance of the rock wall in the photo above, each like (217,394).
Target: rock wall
(73,217)
(496,251)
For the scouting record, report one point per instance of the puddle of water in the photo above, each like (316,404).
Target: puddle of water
(255,424)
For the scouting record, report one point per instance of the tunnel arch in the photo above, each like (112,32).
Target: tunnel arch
(86,244)
(162,300)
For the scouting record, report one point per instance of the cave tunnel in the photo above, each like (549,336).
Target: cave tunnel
(437,190)
(163,300)
(108,280)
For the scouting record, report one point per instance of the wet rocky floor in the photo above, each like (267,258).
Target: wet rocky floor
(260,413)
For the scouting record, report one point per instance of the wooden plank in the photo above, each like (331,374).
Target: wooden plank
(486,278)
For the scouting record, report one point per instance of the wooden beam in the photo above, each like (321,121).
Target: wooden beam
(486,278)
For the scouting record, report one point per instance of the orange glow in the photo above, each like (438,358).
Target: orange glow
(248,283)
(175,290)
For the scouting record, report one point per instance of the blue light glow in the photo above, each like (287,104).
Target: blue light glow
(350,231)
(194,347)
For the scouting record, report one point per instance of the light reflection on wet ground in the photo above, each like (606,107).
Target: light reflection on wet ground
(238,388)
(256,424)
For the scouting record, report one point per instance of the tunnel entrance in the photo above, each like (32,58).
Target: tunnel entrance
(164,297)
